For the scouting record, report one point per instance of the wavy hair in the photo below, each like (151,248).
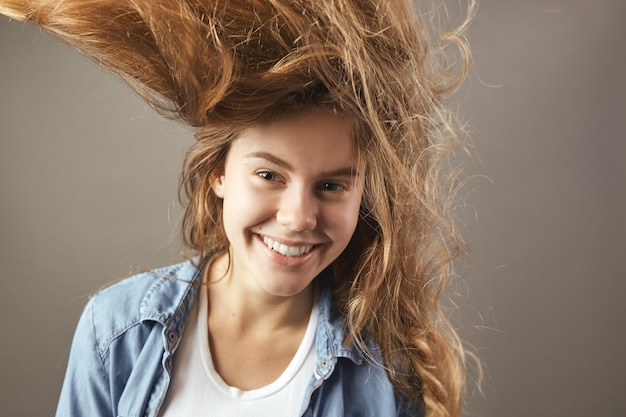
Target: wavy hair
(220,66)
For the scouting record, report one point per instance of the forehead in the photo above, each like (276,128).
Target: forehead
(312,138)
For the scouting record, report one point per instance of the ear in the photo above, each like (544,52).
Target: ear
(217,183)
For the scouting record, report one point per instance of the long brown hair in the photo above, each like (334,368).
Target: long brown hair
(223,65)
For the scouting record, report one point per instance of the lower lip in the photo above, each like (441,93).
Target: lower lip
(282,260)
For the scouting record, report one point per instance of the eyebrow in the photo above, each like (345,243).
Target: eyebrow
(341,172)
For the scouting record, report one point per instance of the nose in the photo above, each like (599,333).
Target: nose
(298,210)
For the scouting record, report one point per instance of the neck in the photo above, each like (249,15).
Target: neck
(247,309)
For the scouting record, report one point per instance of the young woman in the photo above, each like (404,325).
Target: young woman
(316,212)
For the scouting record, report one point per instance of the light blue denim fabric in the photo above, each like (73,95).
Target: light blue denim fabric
(121,357)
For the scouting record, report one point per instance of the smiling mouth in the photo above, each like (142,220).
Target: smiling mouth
(286,250)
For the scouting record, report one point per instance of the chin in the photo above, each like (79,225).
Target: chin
(284,289)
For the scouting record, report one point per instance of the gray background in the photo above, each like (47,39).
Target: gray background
(88,186)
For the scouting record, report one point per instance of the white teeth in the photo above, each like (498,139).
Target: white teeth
(285,249)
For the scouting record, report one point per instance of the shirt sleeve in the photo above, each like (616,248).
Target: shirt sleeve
(86,388)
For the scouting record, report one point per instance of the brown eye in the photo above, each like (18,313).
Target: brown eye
(268,175)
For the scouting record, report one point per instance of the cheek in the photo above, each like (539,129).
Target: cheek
(345,219)
(244,204)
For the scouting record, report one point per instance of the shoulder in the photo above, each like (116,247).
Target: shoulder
(160,295)
(352,372)
(118,347)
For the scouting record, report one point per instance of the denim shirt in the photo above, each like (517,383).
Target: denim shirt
(121,357)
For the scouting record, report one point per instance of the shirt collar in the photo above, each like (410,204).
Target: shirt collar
(331,333)
(170,298)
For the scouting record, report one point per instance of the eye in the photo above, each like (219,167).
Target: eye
(268,175)
(332,186)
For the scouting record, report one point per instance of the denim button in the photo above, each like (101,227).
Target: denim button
(171,336)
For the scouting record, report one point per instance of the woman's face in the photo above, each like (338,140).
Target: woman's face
(291,193)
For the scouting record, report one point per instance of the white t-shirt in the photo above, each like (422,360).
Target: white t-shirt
(197,389)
